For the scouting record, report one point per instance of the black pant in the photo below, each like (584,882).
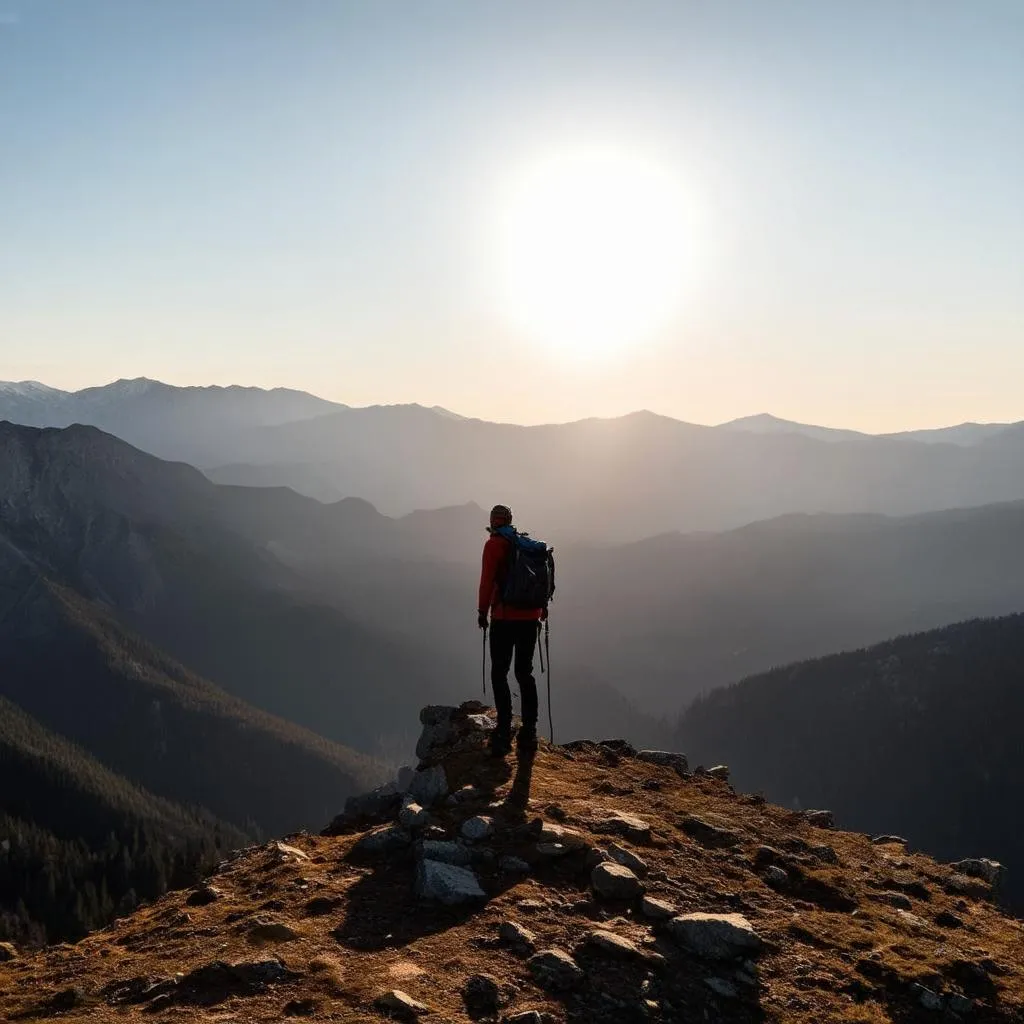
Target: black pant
(510,637)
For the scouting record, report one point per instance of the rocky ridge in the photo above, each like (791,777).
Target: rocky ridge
(590,883)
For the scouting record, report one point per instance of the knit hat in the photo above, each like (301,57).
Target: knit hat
(501,515)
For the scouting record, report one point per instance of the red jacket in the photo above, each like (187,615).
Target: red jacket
(492,574)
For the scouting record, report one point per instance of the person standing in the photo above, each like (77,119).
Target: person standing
(513,632)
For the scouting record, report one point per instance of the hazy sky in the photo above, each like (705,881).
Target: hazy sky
(306,193)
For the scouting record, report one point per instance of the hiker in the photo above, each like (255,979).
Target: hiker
(517,603)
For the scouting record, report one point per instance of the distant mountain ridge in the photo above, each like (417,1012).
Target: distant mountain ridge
(636,476)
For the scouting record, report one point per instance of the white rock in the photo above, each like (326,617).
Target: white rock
(628,859)
(567,837)
(716,936)
(615,882)
(620,824)
(446,883)
(657,910)
(555,969)
(401,1005)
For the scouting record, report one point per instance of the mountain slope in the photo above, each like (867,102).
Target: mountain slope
(80,841)
(68,663)
(190,566)
(918,735)
(808,924)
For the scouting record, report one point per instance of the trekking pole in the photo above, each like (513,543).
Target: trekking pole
(483,662)
(547,651)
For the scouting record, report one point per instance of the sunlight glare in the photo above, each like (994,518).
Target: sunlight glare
(595,250)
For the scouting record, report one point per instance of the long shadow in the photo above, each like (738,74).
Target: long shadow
(382,909)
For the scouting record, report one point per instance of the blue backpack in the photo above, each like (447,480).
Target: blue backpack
(530,575)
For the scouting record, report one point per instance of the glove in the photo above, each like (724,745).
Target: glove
(481,619)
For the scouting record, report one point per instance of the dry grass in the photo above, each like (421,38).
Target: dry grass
(822,963)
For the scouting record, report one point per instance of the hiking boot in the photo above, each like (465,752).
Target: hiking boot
(500,744)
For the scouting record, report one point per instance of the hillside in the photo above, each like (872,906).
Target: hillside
(68,663)
(80,842)
(919,735)
(191,568)
(732,909)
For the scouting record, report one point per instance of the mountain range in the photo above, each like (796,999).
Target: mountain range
(635,476)
(917,735)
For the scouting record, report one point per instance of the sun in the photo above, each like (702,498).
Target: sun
(595,251)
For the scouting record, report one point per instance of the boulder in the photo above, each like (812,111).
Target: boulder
(707,833)
(413,816)
(446,851)
(510,865)
(615,882)
(927,998)
(403,780)
(820,819)
(448,730)
(665,759)
(7,952)
(617,823)
(400,1005)
(554,970)
(628,859)
(477,828)
(482,995)
(381,841)
(216,981)
(824,853)
(377,805)
(723,988)
(446,883)
(888,841)
(715,936)
(657,910)
(720,772)
(429,785)
(557,841)
(202,896)
(775,876)
(990,871)
(614,945)
(515,935)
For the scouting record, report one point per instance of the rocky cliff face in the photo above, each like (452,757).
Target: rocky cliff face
(590,883)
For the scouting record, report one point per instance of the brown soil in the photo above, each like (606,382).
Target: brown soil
(837,949)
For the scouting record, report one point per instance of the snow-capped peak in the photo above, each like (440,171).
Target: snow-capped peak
(27,389)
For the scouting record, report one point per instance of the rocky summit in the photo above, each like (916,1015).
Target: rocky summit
(585,883)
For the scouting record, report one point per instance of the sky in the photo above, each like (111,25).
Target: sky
(319,194)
